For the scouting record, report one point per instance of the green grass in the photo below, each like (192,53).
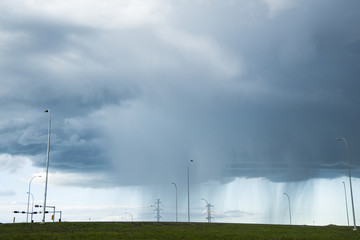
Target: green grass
(173,231)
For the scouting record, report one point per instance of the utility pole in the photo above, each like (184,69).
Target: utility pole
(157,209)
(347,212)
(47,166)
(176,201)
(132,218)
(188,188)
(351,192)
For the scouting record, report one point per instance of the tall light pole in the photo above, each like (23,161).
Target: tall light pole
(176,201)
(289,206)
(29,192)
(347,212)
(351,192)
(47,165)
(188,186)
(132,219)
(32,206)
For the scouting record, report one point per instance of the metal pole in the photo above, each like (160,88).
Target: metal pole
(132,219)
(347,212)
(188,185)
(289,206)
(47,166)
(27,211)
(54,215)
(32,206)
(176,201)
(351,192)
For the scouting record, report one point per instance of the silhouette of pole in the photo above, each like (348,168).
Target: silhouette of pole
(188,187)
(289,206)
(32,206)
(47,166)
(351,192)
(132,219)
(29,192)
(347,212)
(176,204)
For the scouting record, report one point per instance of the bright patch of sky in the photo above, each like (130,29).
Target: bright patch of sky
(241,200)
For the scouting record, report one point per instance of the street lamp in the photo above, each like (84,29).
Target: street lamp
(205,201)
(29,192)
(289,206)
(351,193)
(47,165)
(32,207)
(176,201)
(188,185)
(132,219)
(347,212)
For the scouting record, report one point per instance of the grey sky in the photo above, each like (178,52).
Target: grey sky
(136,89)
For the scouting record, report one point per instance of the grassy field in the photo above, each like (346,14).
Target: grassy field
(148,230)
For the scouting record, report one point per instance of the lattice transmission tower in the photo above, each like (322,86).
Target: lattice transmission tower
(208,211)
(157,209)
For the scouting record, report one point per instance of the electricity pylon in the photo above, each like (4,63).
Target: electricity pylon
(208,211)
(157,209)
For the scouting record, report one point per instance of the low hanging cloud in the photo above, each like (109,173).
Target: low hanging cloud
(7,193)
(250,88)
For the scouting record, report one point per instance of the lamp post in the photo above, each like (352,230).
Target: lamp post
(29,192)
(205,201)
(47,166)
(188,187)
(176,201)
(351,192)
(132,219)
(32,206)
(289,206)
(347,212)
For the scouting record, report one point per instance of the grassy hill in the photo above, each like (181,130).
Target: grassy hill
(163,230)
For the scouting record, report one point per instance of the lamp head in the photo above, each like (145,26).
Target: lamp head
(47,110)
(338,139)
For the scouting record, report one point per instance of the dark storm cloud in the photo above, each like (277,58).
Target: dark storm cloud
(36,75)
(252,88)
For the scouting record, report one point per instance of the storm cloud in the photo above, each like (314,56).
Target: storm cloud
(138,88)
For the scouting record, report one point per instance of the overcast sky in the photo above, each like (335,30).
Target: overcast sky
(249,89)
